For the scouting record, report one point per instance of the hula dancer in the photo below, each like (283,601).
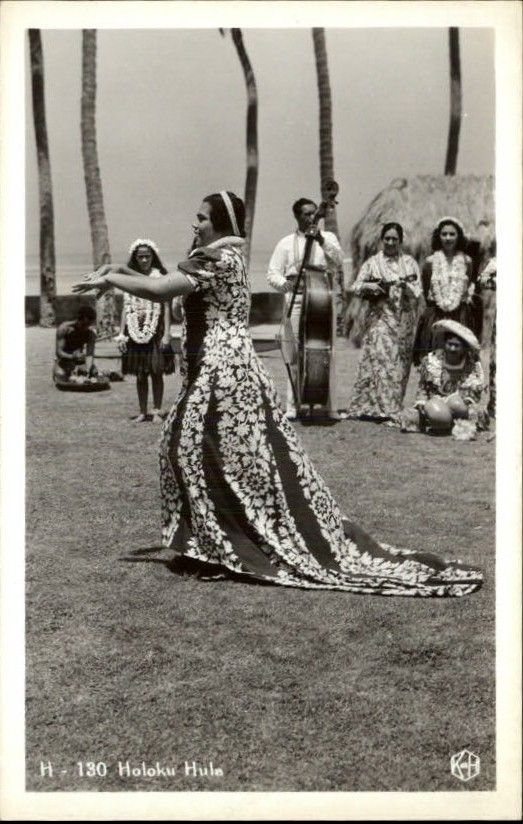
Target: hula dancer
(238,490)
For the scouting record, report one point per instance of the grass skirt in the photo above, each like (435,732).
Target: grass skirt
(149,358)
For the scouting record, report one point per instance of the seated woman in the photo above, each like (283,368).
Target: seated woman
(75,341)
(450,386)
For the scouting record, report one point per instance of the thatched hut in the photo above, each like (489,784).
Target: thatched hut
(418,203)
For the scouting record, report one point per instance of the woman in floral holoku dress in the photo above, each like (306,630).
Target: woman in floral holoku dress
(144,338)
(447,283)
(238,491)
(390,281)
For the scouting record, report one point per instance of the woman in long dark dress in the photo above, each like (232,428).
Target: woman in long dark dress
(447,283)
(238,490)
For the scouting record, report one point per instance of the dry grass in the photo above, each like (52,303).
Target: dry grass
(128,659)
(418,203)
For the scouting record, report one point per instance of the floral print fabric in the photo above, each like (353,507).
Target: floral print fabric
(437,381)
(238,490)
(388,337)
(487,280)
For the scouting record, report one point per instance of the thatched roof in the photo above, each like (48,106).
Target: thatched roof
(418,203)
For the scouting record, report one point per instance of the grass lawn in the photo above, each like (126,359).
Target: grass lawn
(130,660)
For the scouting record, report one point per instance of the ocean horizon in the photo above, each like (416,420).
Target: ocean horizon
(71,268)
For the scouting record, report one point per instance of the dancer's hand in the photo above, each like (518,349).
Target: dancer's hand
(99,273)
(99,285)
(206,252)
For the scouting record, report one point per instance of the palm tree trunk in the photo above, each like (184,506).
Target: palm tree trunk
(106,307)
(325,103)
(45,190)
(451,161)
(251,179)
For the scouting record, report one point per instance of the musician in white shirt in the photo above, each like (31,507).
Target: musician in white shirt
(284,266)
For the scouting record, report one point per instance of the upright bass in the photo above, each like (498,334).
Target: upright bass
(307,356)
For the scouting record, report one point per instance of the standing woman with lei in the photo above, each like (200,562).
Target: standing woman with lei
(447,283)
(391,283)
(238,490)
(144,338)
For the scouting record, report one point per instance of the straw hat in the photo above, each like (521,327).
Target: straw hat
(442,327)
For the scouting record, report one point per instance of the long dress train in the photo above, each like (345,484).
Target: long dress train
(239,491)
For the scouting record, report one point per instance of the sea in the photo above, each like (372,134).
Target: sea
(71,268)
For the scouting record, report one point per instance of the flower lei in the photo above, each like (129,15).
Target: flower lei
(142,315)
(448,283)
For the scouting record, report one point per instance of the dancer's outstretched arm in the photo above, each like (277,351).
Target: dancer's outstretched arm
(155,289)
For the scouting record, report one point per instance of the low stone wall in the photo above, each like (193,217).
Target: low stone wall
(266,307)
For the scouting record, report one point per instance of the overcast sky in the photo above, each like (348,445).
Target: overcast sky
(171,124)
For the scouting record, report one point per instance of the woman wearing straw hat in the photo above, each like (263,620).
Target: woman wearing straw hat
(238,490)
(450,386)
(447,282)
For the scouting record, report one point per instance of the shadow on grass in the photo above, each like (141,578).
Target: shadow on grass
(185,567)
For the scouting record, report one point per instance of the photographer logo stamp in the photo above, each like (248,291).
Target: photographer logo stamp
(465,765)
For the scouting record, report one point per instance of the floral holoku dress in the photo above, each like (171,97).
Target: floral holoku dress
(388,337)
(238,490)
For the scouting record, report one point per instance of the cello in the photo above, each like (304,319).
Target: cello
(309,354)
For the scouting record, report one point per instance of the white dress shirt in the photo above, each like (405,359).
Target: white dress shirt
(288,254)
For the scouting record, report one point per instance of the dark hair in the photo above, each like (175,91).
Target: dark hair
(220,216)
(461,244)
(467,348)
(392,225)
(303,201)
(86,313)
(156,262)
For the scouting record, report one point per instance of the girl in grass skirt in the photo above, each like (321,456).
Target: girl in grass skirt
(144,338)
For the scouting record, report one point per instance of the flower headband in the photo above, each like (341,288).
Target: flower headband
(230,211)
(143,242)
(450,219)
